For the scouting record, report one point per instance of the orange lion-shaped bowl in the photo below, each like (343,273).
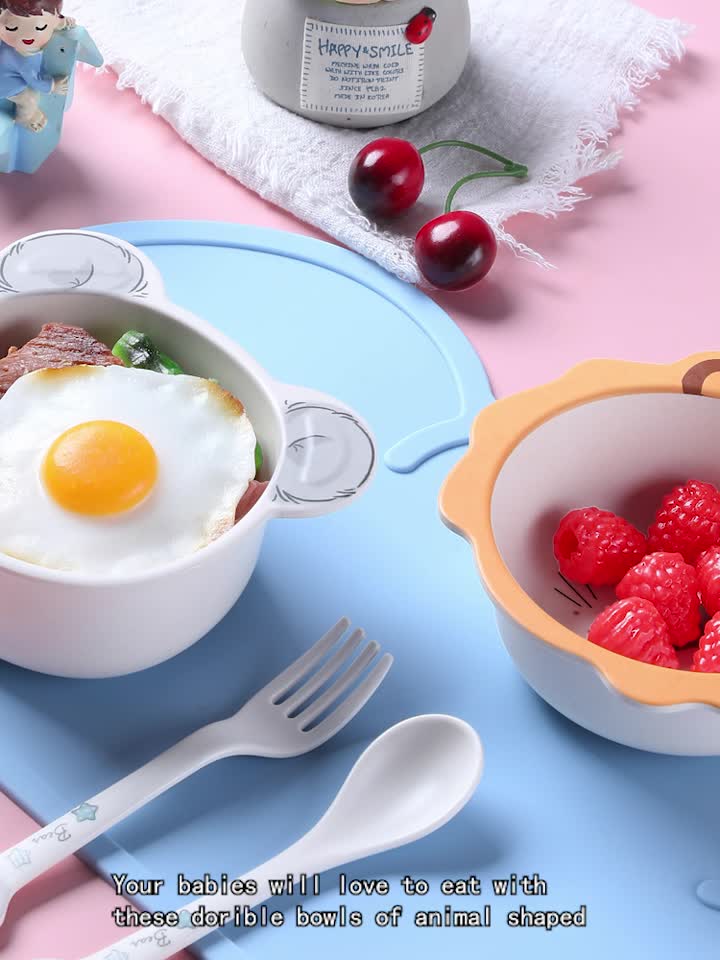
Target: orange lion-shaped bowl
(611,434)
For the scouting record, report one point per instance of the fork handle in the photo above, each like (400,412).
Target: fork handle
(51,844)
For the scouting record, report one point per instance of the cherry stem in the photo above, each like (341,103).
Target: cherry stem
(518,171)
(505,161)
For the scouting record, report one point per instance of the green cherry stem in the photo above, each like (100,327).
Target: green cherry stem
(505,161)
(517,170)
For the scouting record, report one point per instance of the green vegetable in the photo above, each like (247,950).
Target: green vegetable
(137,350)
(169,366)
(259,459)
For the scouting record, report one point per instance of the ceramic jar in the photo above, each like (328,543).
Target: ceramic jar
(356,64)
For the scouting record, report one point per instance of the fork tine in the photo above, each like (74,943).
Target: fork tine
(345,712)
(285,680)
(316,681)
(343,683)
(333,693)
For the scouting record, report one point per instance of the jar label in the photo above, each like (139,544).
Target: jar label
(359,71)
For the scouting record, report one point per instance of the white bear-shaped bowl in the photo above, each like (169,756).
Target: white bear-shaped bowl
(319,456)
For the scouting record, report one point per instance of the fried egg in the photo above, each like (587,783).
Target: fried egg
(108,470)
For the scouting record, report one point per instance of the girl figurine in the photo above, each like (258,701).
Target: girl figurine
(26,28)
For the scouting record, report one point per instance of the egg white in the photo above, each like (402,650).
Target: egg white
(205,446)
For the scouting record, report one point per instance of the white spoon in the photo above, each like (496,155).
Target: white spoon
(408,783)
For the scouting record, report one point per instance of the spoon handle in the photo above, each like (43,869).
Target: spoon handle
(162,943)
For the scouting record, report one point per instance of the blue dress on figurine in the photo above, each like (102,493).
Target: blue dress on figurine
(18,72)
(36,87)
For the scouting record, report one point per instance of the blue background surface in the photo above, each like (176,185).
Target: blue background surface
(626,833)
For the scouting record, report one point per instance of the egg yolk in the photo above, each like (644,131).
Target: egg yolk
(100,468)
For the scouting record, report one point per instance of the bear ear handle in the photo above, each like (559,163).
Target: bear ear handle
(329,459)
(78,260)
(695,381)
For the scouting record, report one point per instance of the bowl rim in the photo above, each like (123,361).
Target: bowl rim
(466,507)
(260,513)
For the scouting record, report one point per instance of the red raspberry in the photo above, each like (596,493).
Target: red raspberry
(708,574)
(688,521)
(635,629)
(707,656)
(671,585)
(596,547)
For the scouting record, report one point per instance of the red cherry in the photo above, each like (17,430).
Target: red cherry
(386,177)
(421,26)
(455,251)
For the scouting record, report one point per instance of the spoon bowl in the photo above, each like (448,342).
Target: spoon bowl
(408,783)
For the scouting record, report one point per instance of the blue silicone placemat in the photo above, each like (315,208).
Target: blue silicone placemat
(628,834)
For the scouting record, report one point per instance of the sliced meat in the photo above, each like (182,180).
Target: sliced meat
(255,490)
(55,346)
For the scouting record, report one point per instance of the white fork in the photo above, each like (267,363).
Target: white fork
(277,722)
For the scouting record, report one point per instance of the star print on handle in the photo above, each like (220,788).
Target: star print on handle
(86,811)
(19,858)
(185,920)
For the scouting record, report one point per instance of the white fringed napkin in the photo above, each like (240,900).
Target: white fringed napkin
(546,81)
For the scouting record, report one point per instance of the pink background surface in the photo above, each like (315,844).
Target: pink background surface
(637,278)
